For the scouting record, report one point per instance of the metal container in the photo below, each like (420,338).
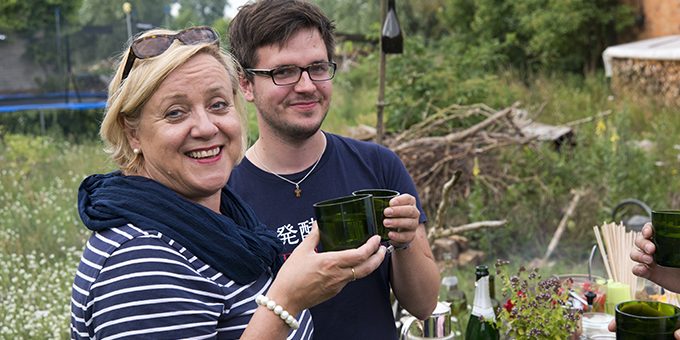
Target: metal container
(437,326)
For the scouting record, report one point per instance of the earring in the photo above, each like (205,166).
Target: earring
(136,151)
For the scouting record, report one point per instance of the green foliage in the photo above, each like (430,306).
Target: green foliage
(41,236)
(352,16)
(38,182)
(32,16)
(76,126)
(426,78)
(26,152)
(605,160)
(549,34)
(199,12)
(35,290)
(535,308)
(570,35)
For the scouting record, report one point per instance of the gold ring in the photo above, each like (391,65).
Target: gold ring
(354,274)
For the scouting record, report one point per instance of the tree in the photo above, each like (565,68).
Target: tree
(549,34)
(32,16)
(199,12)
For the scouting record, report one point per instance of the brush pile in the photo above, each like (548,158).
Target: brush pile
(463,138)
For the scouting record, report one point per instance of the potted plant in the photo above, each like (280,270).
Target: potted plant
(534,308)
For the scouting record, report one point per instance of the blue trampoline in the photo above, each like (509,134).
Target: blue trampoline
(52,101)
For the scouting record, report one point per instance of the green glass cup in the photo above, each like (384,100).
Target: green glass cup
(640,320)
(381,200)
(345,222)
(666,226)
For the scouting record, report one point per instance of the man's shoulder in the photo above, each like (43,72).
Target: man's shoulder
(343,142)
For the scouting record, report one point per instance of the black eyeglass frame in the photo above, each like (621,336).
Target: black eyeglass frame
(135,53)
(270,72)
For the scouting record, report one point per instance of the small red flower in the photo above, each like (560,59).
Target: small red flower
(508,305)
(520,294)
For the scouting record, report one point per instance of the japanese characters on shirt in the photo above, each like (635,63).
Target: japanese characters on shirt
(291,234)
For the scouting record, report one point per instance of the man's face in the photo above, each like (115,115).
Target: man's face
(293,112)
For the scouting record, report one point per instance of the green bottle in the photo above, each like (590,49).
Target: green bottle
(458,303)
(481,323)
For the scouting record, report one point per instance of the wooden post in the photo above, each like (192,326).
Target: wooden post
(379,127)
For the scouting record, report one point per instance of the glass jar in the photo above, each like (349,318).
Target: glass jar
(595,325)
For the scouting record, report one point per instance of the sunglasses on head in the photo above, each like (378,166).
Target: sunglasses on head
(154,45)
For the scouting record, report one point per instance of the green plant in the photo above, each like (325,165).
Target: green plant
(534,308)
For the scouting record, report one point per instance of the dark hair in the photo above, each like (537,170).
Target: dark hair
(267,22)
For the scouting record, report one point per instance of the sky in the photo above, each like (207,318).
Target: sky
(231,9)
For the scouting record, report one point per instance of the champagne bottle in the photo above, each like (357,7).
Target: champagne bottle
(481,323)
(391,38)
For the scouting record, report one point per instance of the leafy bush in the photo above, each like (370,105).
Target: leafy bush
(76,126)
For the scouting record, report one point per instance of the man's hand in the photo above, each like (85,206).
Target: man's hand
(666,277)
(401,218)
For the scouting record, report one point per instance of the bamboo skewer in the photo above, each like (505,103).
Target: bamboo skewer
(615,245)
(602,251)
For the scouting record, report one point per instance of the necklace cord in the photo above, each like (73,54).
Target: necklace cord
(296,184)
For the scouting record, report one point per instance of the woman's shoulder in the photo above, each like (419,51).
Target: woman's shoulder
(103,244)
(128,248)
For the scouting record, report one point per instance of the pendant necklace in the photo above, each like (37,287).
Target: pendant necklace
(297,191)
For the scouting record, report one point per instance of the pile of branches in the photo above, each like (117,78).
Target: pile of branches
(458,145)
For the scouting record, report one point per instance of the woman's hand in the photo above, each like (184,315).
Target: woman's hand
(308,278)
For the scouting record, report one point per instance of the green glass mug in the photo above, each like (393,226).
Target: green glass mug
(640,320)
(666,238)
(381,200)
(345,222)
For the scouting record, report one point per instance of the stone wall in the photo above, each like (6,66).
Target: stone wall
(658,79)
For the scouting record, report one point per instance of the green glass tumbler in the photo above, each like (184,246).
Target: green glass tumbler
(345,222)
(381,200)
(646,320)
(666,238)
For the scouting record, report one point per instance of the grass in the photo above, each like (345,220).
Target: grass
(41,235)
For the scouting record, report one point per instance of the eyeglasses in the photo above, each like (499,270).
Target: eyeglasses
(291,74)
(154,45)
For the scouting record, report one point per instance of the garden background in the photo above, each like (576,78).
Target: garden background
(544,55)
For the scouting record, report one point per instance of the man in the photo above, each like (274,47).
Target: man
(286,50)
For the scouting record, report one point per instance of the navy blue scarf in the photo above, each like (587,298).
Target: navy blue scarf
(234,242)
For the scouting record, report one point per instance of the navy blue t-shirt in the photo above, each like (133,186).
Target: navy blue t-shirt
(362,309)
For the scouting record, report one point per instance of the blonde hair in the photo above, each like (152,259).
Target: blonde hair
(125,101)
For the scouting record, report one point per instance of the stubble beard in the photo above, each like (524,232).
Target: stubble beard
(293,133)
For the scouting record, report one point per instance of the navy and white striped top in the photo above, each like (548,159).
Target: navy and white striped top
(132,283)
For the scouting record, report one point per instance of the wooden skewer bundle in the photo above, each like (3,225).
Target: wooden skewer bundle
(615,245)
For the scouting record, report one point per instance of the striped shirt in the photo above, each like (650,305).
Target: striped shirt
(131,283)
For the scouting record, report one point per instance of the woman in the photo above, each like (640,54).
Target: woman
(174,254)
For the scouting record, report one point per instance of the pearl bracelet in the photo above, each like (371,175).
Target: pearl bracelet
(278,310)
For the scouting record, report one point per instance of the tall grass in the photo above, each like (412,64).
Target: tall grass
(41,236)
(607,161)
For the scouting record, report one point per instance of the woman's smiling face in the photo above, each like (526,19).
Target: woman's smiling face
(189,132)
